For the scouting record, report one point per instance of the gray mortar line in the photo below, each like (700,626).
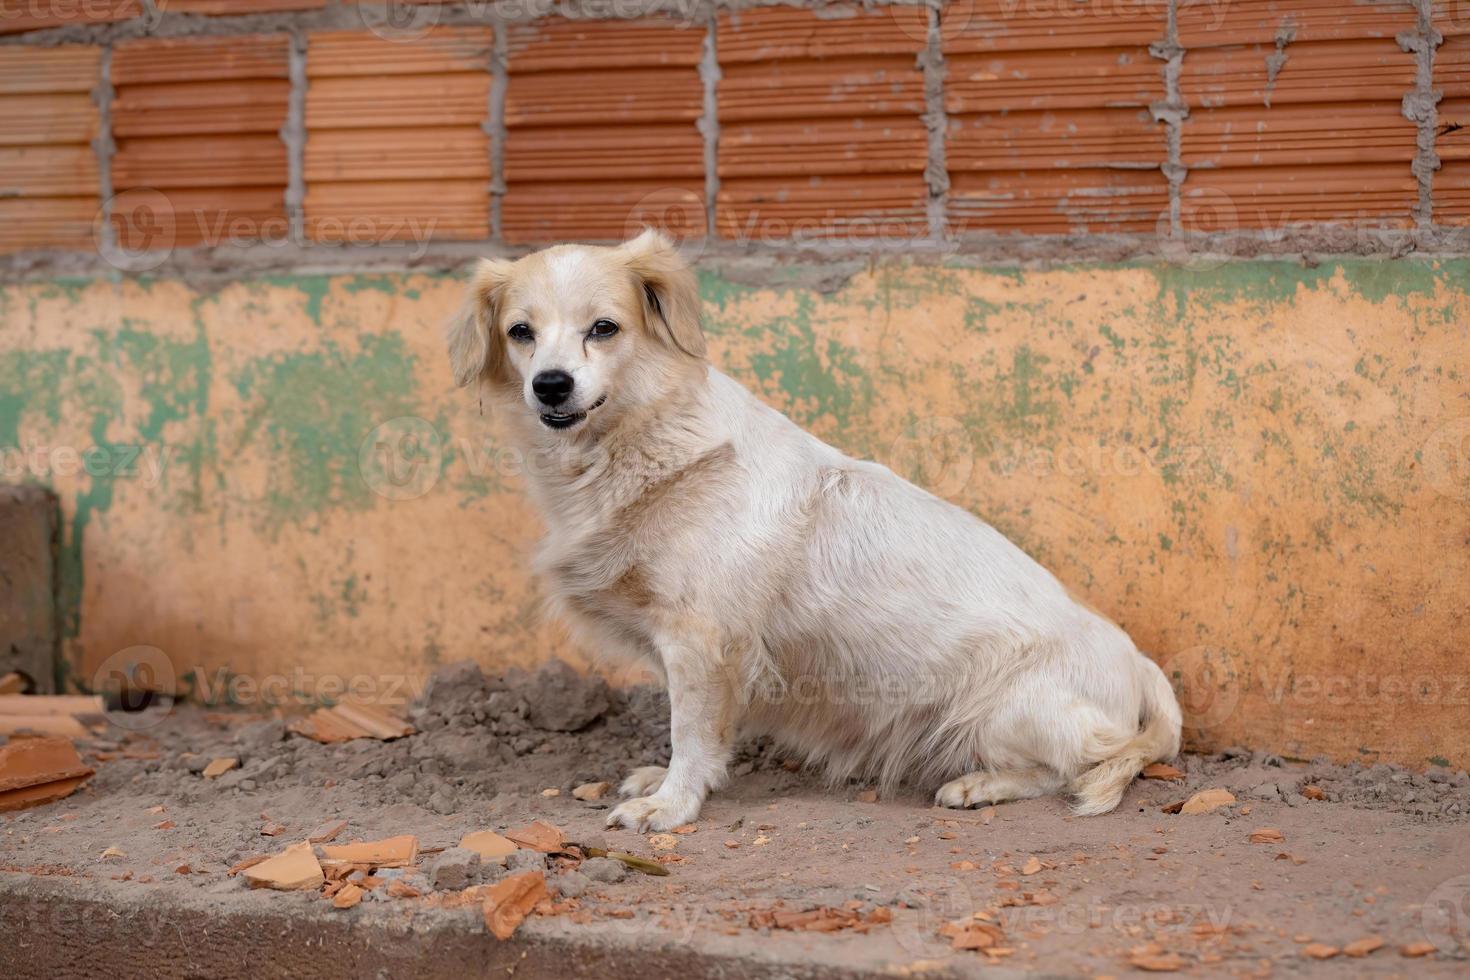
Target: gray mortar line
(1421,106)
(495,125)
(936,122)
(709,122)
(293,134)
(1172,112)
(103,146)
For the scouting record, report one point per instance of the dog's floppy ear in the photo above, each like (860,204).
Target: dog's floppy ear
(475,345)
(670,292)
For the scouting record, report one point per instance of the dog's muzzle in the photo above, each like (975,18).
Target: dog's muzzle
(565,420)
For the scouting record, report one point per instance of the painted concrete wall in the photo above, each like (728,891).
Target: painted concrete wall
(1261,470)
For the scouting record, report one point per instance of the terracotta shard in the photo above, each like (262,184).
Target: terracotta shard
(1157,962)
(1202,802)
(401,889)
(344,722)
(976,935)
(489,845)
(1162,770)
(294,869)
(51,704)
(1266,835)
(244,863)
(327,831)
(34,771)
(538,836)
(348,896)
(1364,946)
(510,900)
(1415,950)
(392,852)
(591,791)
(1320,951)
(219,767)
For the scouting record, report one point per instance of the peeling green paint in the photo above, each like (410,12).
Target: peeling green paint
(311,412)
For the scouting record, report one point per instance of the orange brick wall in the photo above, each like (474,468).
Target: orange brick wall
(602,123)
(49,191)
(820,128)
(198,121)
(395,136)
(935,123)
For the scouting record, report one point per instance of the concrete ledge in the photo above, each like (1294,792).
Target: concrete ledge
(68,926)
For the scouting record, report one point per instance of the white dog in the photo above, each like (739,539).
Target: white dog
(776,584)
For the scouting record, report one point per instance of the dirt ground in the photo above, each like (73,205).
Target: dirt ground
(1383,853)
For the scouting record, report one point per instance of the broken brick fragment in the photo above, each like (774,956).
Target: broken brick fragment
(510,900)
(34,771)
(294,869)
(391,852)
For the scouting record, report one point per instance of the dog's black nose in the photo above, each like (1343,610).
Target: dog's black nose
(552,387)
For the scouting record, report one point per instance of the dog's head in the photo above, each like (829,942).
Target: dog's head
(577,331)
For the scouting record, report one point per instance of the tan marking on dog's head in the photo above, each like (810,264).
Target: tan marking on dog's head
(616,327)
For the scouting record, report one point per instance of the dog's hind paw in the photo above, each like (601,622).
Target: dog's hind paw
(975,788)
(643,781)
(654,813)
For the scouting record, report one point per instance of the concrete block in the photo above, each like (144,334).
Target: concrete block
(28,615)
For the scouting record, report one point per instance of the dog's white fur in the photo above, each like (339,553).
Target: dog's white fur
(778,585)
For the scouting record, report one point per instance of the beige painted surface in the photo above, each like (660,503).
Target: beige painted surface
(1262,471)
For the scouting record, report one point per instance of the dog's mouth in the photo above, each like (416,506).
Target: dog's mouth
(559,420)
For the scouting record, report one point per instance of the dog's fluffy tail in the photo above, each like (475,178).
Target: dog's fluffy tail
(1100,788)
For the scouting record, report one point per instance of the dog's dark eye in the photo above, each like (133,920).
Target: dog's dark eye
(519,332)
(603,328)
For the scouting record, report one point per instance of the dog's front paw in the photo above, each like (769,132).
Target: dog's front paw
(643,781)
(654,813)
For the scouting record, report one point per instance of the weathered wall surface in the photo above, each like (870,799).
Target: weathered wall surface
(1261,470)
